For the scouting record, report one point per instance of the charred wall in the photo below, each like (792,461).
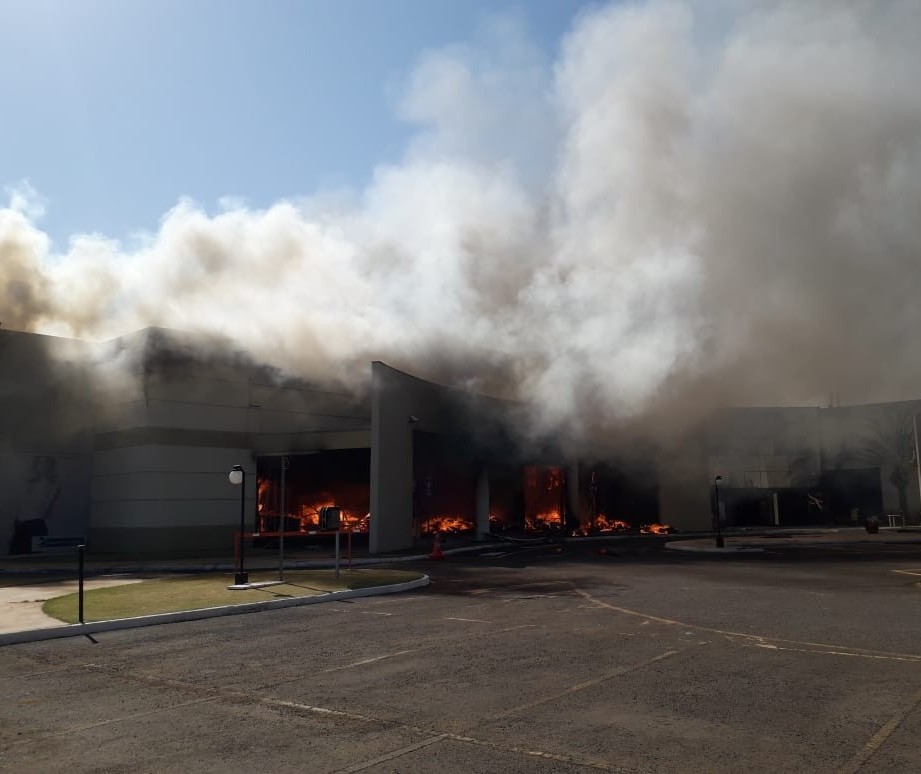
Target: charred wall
(47,411)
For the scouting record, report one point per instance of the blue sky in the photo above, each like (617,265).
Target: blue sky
(114,109)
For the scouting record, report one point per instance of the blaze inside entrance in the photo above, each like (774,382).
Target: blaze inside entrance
(529,499)
(599,500)
(311,482)
(444,485)
(544,499)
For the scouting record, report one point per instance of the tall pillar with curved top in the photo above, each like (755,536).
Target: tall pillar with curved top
(391,462)
(402,406)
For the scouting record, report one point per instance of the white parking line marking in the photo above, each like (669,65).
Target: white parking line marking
(880,736)
(433,737)
(587,684)
(410,748)
(758,638)
(823,652)
(367,661)
(469,620)
(131,716)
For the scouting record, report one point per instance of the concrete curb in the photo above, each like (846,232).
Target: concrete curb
(679,545)
(77,630)
(310,564)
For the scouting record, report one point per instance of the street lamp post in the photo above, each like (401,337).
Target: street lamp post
(716,492)
(238,478)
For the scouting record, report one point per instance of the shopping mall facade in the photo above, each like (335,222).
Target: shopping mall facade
(127,444)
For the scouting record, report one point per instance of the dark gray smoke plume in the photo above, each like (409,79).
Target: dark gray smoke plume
(693,206)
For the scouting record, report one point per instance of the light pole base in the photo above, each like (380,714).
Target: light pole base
(719,542)
(241,579)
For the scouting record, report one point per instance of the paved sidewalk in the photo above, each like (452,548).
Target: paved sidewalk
(759,541)
(21,606)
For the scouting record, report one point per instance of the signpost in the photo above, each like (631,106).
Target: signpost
(331,518)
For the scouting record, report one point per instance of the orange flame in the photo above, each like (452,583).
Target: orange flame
(541,521)
(307,516)
(262,494)
(445,524)
(355,521)
(601,525)
(656,529)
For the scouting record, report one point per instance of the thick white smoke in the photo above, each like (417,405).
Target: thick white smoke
(687,208)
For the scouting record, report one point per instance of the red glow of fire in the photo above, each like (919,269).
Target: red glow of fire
(601,525)
(262,494)
(538,522)
(543,478)
(307,516)
(445,524)
(656,529)
(309,513)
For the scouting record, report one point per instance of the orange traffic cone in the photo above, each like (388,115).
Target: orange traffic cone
(437,553)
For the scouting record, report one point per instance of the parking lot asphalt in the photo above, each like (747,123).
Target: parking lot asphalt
(552,659)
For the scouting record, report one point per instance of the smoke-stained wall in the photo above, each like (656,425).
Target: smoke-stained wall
(170,499)
(881,436)
(191,411)
(43,498)
(765,447)
(684,487)
(824,464)
(129,442)
(47,409)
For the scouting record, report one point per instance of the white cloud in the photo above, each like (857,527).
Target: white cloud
(22,197)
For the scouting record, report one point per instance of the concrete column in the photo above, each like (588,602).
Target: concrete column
(686,489)
(482,504)
(391,464)
(573,495)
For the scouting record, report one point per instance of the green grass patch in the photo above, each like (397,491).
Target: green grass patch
(195,592)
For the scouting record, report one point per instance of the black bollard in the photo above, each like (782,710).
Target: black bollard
(81,550)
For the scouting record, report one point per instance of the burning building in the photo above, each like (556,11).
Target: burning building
(142,431)
(127,444)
